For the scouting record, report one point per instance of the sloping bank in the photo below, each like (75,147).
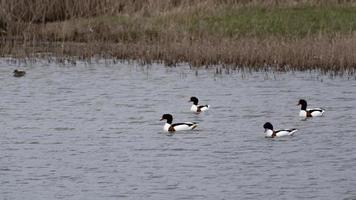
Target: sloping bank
(279,36)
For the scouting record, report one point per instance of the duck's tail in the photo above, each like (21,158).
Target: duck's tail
(292,131)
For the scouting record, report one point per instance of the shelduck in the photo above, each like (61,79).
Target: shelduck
(169,127)
(196,107)
(277,133)
(304,112)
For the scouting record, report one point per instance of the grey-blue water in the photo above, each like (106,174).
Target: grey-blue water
(92,131)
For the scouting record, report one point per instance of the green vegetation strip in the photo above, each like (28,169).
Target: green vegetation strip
(223,21)
(260,22)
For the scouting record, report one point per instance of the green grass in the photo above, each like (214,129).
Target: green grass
(239,22)
(288,22)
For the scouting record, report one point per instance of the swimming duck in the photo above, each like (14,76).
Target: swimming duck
(198,108)
(18,73)
(169,127)
(304,112)
(277,133)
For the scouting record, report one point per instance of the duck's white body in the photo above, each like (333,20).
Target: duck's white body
(315,112)
(199,108)
(179,127)
(280,133)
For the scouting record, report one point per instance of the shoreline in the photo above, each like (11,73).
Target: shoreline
(293,37)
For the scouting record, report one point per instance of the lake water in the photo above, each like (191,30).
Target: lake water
(92,131)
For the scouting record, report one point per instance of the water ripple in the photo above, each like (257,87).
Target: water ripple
(93,132)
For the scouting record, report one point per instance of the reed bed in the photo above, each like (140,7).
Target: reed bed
(288,35)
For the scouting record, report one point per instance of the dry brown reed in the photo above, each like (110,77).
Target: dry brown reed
(271,53)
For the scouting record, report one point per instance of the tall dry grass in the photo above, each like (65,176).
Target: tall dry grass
(271,53)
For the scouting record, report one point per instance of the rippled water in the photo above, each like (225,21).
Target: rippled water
(92,131)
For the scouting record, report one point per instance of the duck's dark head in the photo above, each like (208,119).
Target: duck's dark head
(194,100)
(167,117)
(303,104)
(268,125)
(16,71)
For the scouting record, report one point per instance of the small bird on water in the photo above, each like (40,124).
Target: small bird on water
(196,107)
(271,133)
(169,127)
(19,73)
(304,112)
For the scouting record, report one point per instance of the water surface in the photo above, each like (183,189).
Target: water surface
(92,131)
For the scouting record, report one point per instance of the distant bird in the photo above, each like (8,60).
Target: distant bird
(18,73)
(304,112)
(169,127)
(197,108)
(277,133)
